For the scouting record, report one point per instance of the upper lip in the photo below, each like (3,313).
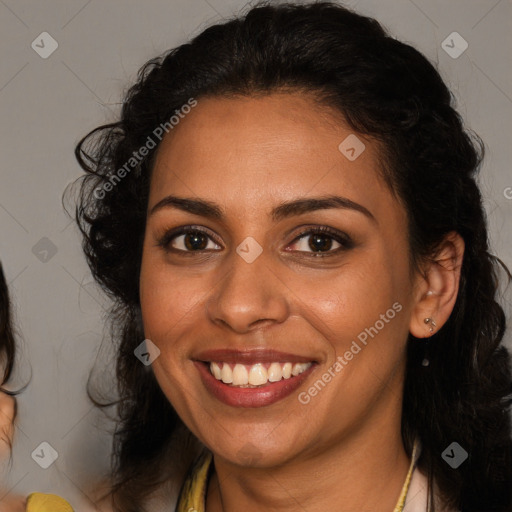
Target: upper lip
(251,356)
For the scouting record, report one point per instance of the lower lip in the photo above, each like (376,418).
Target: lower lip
(250,397)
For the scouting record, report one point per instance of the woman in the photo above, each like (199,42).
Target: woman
(8,404)
(287,214)
(35,502)
(7,355)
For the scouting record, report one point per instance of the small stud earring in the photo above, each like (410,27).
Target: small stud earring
(426,360)
(431,322)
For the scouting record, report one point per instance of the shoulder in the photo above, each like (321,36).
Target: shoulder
(417,497)
(34,502)
(416,500)
(13,504)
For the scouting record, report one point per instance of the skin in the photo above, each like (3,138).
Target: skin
(7,408)
(342,451)
(9,502)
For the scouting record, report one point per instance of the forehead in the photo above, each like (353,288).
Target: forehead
(254,150)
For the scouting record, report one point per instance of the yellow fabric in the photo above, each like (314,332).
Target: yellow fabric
(401,500)
(39,502)
(193,493)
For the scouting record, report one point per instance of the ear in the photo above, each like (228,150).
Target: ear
(437,289)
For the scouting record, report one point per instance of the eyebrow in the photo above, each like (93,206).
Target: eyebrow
(284,210)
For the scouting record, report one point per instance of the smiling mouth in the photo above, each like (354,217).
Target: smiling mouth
(256,375)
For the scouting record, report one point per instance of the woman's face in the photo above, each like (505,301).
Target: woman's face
(256,285)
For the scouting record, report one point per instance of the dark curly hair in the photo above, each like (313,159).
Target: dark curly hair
(382,88)
(7,343)
(7,347)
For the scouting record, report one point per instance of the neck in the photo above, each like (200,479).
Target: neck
(365,470)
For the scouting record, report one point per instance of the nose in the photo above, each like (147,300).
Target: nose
(249,296)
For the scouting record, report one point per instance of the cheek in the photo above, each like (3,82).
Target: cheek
(165,297)
(361,313)
(353,297)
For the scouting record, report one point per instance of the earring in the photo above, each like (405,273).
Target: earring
(426,360)
(430,321)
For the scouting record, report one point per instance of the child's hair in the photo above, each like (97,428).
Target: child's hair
(386,90)
(7,356)
(7,343)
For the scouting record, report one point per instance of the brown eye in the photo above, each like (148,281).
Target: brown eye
(321,240)
(188,240)
(194,241)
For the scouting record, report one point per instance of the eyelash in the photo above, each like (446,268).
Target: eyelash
(344,240)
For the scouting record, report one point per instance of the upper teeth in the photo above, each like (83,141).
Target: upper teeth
(256,374)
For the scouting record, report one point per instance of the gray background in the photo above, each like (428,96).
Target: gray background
(46,105)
